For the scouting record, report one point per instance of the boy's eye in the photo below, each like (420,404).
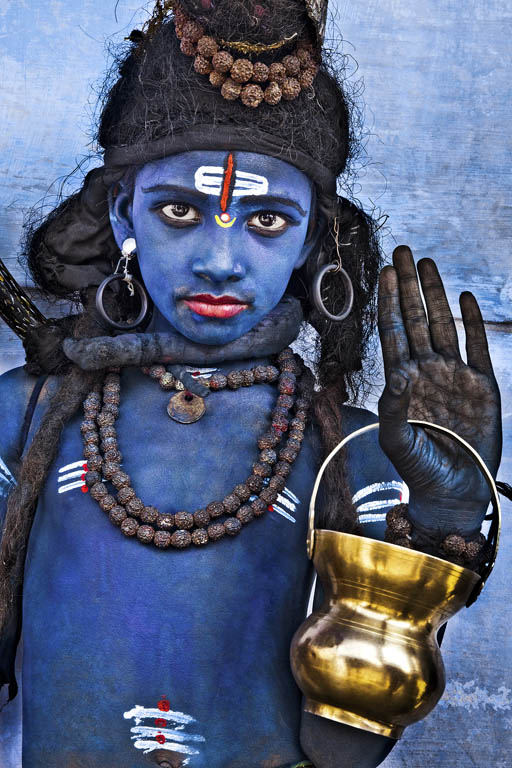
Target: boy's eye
(180,212)
(266,222)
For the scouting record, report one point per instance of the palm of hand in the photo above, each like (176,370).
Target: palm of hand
(427,379)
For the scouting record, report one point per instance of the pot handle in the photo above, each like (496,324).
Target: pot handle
(495,516)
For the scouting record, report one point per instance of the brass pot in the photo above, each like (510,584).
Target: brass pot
(369,656)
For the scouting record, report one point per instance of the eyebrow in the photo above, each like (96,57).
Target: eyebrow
(267,199)
(176,189)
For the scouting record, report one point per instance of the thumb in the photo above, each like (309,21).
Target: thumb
(396,436)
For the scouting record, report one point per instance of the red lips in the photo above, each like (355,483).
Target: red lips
(215,306)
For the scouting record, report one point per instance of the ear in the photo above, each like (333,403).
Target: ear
(120,205)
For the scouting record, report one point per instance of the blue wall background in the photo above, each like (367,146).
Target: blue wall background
(438,110)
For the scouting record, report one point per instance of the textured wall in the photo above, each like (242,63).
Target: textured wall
(437,77)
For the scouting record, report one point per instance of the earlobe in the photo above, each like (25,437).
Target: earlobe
(120,212)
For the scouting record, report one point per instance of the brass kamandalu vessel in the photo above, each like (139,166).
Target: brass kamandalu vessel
(369,656)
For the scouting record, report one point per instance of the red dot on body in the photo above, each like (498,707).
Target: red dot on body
(270,508)
(225,217)
(160,738)
(160,722)
(84,489)
(83,477)
(84,466)
(164,705)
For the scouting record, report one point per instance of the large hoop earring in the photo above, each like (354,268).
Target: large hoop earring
(347,282)
(133,285)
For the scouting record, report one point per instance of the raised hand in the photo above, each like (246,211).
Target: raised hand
(426,378)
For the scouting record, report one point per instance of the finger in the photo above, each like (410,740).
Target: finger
(413,311)
(477,349)
(393,338)
(443,332)
(396,436)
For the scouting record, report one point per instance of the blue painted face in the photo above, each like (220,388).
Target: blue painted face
(218,235)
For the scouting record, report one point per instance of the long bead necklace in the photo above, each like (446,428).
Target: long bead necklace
(247,501)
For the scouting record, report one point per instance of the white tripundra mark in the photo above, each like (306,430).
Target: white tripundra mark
(369,518)
(148,737)
(210,178)
(368,506)
(74,465)
(283,513)
(395,485)
(70,471)
(289,500)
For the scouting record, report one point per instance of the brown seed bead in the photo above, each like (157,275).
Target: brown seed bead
(285,354)
(105,419)
(242,492)
(167,381)
(129,526)
(268,495)
(454,545)
(284,401)
(200,537)
(251,95)
(216,531)
(91,478)
(269,440)
(295,444)
(111,378)
(91,437)
(260,72)
(135,506)
(306,79)
(296,434)
(91,413)
(241,71)
(230,90)
(247,378)
(145,533)
(302,403)
(402,541)
(120,479)
(111,408)
(107,432)
(222,62)
(292,65)
(288,454)
(231,503)
(125,494)
(112,398)
(290,366)
(260,374)
(269,456)
(184,520)
(98,491)
(474,548)
(165,521)
(282,468)
(290,88)
(279,422)
(235,379)
(273,94)
(262,469)
(277,483)
(258,507)
(93,400)
(95,463)
(202,65)
(193,31)
(201,518)
(217,381)
(156,371)
(113,455)
(117,514)
(162,539)
(187,47)
(215,509)
(87,425)
(233,526)
(107,503)
(287,384)
(245,514)
(181,539)
(91,450)
(272,373)
(207,46)
(276,73)
(399,511)
(254,483)
(217,79)
(149,515)
(110,468)
(109,442)
(298,423)
(400,526)
(305,58)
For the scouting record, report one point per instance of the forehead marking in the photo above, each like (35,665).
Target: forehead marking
(227,186)
(210,180)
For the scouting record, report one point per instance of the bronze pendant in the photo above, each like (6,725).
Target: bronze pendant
(185,408)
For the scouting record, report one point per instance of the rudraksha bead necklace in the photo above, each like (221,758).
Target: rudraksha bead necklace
(247,501)
(251,82)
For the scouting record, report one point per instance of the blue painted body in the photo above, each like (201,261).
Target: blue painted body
(110,624)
